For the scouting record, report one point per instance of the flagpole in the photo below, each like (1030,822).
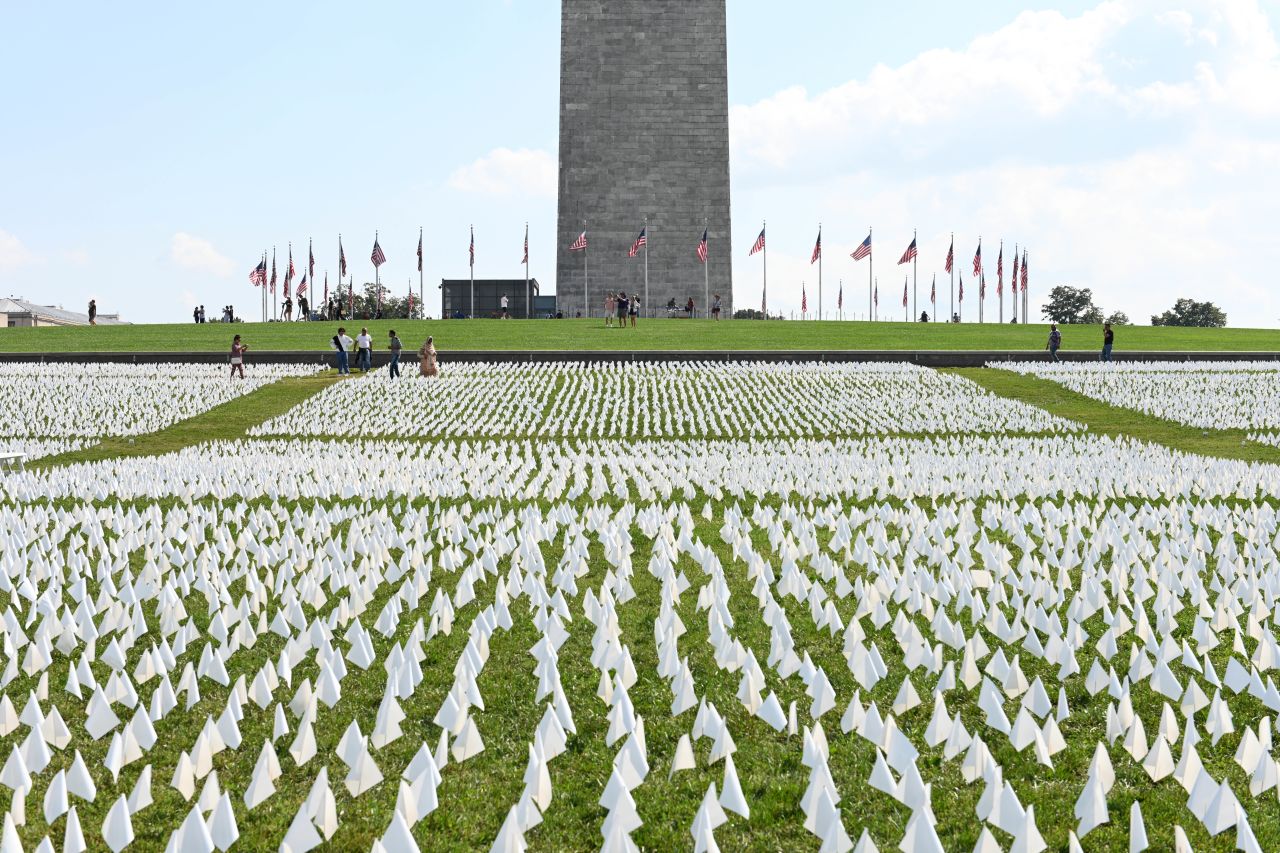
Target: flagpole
(915,275)
(819,270)
(646,260)
(953,273)
(764,266)
(422,291)
(1014,293)
(472,261)
(706,273)
(586,276)
(871,261)
(528,291)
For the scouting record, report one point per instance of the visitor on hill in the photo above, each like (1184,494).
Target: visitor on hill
(427,359)
(342,346)
(395,346)
(202,315)
(1108,340)
(237,357)
(924,316)
(610,308)
(715,307)
(688,307)
(93,312)
(304,309)
(364,348)
(195,314)
(288,309)
(1055,342)
(634,310)
(505,315)
(622,302)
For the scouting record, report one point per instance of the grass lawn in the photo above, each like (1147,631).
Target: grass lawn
(651,335)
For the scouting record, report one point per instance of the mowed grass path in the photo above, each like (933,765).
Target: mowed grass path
(649,335)
(1115,421)
(231,420)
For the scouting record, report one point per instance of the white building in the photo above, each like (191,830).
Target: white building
(18,312)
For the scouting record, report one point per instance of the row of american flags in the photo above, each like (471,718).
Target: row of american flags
(264,276)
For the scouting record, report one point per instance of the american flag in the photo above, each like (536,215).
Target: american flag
(759,244)
(580,244)
(804,299)
(1000,272)
(817,248)
(909,255)
(933,294)
(977,260)
(525,260)
(302,285)
(288,275)
(273,270)
(410,300)
(864,250)
(342,261)
(904,290)
(259,274)
(982,286)
(702,247)
(840,298)
(951,256)
(472,250)
(1024,270)
(419,255)
(962,287)
(875,296)
(378,257)
(326,288)
(640,243)
(311,263)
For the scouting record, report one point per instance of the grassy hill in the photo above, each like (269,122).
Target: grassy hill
(651,335)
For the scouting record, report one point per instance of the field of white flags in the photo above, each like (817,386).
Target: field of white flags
(1205,394)
(661,400)
(53,408)
(914,633)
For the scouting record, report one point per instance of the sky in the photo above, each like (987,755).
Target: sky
(150,153)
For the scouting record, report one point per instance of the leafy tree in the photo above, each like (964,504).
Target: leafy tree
(1119,318)
(749,314)
(1071,305)
(1188,312)
(366,304)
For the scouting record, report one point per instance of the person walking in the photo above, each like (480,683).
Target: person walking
(93,312)
(634,309)
(505,315)
(342,346)
(304,309)
(610,308)
(1054,343)
(237,357)
(395,346)
(427,359)
(715,307)
(287,309)
(1108,340)
(364,348)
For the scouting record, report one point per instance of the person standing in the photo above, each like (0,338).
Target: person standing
(195,314)
(427,359)
(237,357)
(1108,339)
(505,315)
(395,346)
(610,307)
(202,316)
(622,302)
(288,309)
(304,309)
(688,307)
(93,312)
(1055,342)
(715,307)
(634,310)
(342,346)
(364,346)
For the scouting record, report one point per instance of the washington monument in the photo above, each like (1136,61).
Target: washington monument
(644,135)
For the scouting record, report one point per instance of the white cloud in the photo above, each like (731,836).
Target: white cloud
(12,253)
(197,254)
(504,171)
(1144,177)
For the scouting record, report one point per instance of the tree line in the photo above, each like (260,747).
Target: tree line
(1075,305)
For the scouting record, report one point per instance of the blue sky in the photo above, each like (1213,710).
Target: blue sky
(151,152)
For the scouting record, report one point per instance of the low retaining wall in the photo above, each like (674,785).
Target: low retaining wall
(925,358)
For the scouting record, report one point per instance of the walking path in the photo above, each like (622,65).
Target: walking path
(231,420)
(1110,420)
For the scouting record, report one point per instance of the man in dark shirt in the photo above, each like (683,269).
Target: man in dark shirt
(1108,339)
(395,348)
(1055,342)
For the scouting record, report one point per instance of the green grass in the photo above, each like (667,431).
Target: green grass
(650,335)
(1111,420)
(231,420)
